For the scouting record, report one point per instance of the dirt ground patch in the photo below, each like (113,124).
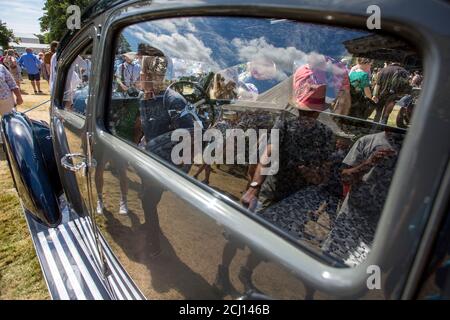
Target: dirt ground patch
(30,99)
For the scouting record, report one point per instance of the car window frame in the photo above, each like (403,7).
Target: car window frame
(352,280)
(214,193)
(70,53)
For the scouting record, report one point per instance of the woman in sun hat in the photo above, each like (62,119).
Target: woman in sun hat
(298,191)
(304,146)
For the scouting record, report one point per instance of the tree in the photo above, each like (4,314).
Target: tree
(6,35)
(124,45)
(43,38)
(54,20)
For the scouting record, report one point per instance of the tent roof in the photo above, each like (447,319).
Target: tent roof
(29,45)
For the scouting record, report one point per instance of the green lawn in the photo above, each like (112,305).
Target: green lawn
(20,272)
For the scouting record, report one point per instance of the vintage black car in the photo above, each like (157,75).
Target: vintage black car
(152,181)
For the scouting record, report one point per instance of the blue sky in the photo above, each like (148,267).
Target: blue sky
(225,42)
(22,15)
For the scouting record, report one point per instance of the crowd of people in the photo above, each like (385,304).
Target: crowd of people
(13,65)
(378,90)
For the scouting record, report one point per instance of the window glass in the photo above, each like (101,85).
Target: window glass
(76,89)
(299,123)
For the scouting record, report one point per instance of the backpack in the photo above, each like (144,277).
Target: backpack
(397,84)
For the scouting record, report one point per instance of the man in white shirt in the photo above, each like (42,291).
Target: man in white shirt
(52,79)
(74,80)
(128,73)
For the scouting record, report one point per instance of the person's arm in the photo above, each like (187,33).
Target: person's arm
(253,192)
(118,77)
(143,84)
(18,95)
(13,63)
(258,178)
(354,174)
(367,92)
(13,87)
(376,89)
(37,62)
(365,83)
(20,61)
(355,159)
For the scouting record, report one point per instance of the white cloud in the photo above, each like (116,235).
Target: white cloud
(174,25)
(283,57)
(187,47)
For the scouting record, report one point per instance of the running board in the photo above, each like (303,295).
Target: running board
(70,263)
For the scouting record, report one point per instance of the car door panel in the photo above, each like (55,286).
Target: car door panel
(191,243)
(68,178)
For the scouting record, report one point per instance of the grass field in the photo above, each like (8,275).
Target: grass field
(20,272)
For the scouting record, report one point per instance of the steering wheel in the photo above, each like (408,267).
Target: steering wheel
(199,105)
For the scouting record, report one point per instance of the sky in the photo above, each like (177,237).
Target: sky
(225,45)
(224,42)
(22,16)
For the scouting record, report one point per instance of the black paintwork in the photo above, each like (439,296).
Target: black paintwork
(435,282)
(93,10)
(33,168)
(41,131)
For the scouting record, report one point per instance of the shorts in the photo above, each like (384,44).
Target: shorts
(118,162)
(34,77)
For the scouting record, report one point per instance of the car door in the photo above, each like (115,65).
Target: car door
(69,118)
(179,236)
(71,99)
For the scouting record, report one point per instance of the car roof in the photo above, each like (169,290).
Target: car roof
(96,8)
(99,6)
